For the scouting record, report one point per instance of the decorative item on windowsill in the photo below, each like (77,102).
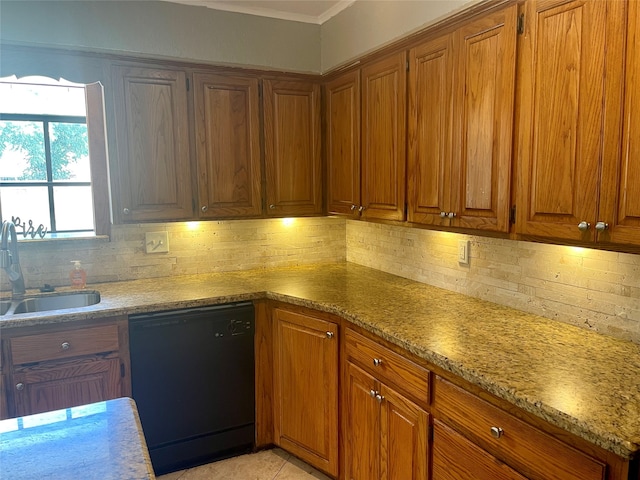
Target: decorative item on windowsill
(41,231)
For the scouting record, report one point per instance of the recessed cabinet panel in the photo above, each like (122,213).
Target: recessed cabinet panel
(343,144)
(227,125)
(154,170)
(561,104)
(430,128)
(481,175)
(383,138)
(292,148)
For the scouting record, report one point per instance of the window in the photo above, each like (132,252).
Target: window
(45,167)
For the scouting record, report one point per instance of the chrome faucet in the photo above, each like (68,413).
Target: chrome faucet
(9,259)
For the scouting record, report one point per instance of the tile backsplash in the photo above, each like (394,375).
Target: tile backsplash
(593,289)
(194,247)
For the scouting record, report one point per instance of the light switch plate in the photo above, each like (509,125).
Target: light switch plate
(463,252)
(156,242)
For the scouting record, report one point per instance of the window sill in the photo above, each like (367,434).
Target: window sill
(65,237)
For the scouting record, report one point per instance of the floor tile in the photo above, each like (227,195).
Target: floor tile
(296,469)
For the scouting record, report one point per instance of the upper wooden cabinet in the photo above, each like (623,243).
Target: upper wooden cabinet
(292,137)
(461,101)
(227,130)
(383,138)
(577,141)
(152,135)
(342,138)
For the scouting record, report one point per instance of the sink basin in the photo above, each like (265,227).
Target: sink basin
(57,302)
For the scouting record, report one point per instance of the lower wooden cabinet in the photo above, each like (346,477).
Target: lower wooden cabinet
(3,399)
(51,367)
(387,435)
(306,387)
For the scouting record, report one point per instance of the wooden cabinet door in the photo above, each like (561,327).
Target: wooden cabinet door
(430,128)
(362,436)
(292,148)
(306,388)
(456,458)
(619,206)
(342,110)
(383,138)
(4,409)
(484,97)
(404,438)
(152,134)
(45,387)
(227,128)
(561,92)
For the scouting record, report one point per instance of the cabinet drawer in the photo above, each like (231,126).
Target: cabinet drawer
(388,365)
(64,344)
(534,453)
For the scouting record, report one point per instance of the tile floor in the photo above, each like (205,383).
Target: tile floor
(273,464)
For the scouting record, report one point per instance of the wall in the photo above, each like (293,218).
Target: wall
(199,247)
(592,289)
(367,25)
(165,30)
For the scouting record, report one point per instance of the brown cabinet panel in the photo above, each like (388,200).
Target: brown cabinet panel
(561,96)
(342,110)
(52,387)
(383,138)
(306,388)
(430,129)
(456,458)
(292,148)
(481,174)
(362,438)
(404,438)
(522,446)
(4,410)
(227,129)
(152,131)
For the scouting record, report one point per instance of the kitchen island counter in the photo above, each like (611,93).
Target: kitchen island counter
(101,441)
(583,382)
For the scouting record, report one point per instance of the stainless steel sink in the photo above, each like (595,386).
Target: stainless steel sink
(54,302)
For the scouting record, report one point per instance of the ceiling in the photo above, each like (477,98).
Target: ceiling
(308,11)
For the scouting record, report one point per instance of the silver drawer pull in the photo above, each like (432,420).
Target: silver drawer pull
(329,334)
(65,346)
(377,362)
(379,398)
(373,393)
(496,432)
(19,386)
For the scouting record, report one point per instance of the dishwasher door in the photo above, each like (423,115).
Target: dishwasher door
(192,375)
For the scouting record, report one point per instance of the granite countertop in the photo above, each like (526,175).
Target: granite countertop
(100,441)
(578,380)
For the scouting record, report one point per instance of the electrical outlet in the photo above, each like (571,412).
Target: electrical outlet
(156,242)
(463,252)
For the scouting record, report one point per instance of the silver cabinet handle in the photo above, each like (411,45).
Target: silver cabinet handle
(65,346)
(496,432)
(126,211)
(584,226)
(377,362)
(353,207)
(329,334)
(451,214)
(443,214)
(272,206)
(372,393)
(204,208)
(19,386)
(379,398)
(361,209)
(602,226)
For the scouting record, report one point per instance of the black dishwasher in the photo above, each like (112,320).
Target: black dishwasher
(192,377)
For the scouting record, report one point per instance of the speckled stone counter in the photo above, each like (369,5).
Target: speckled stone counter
(583,382)
(100,441)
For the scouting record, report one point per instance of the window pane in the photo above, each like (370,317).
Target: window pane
(22,151)
(28,203)
(33,95)
(74,208)
(69,152)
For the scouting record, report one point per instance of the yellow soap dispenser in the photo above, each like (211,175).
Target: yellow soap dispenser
(78,276)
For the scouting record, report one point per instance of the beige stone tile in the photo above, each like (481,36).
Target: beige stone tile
(295,469)
(263,465)
(172,476)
